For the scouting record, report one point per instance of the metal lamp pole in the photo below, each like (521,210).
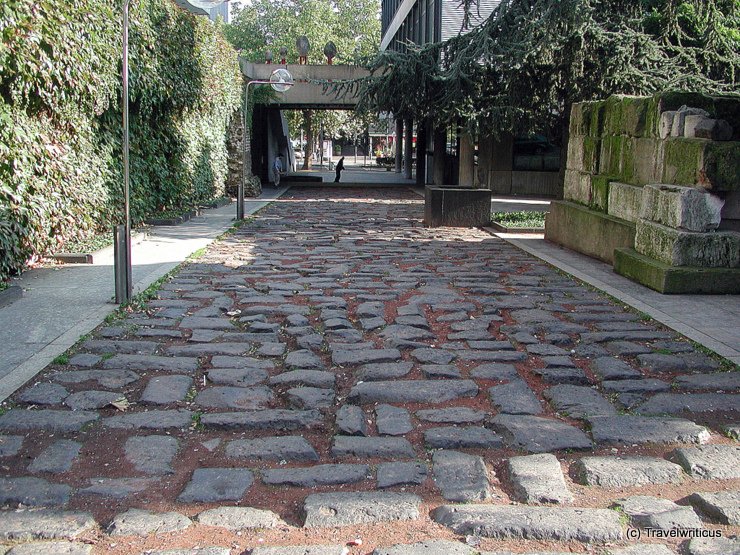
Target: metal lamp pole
(122,233)
(281,80)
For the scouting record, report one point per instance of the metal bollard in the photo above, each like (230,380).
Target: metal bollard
(122,264)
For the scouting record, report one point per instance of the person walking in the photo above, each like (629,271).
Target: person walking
(277,168)
(339,168)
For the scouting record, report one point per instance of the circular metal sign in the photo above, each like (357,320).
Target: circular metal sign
(281,80)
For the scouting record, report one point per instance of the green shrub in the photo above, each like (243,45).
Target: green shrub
(60,118)
(520,219)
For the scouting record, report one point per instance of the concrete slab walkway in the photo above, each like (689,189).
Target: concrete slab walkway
(334,371)
(60,304)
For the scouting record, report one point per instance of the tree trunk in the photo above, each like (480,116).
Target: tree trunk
(308,150)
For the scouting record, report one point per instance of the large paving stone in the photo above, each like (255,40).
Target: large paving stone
(56,458)
(319,475)
(440,371)
(24,526)
(643,549)
(466,437)
(711,462)
(628,430)
(212,550)
(10,445)
(327,510)
(227,397)
(515,397)
(452,415)
(345,357)
(241,377)
(383,371)
(91,400)
(136,522)
(493,356)
(539,435)
(538,479)
(273,419)
(675,403)
(626,471)
(659,362)
(209,485)
(301,550)
(400,474)
(714,546)
(310,397)
(398,331)
(151,420)
(51,548)
(646,385)
(461,477)
(151,455)
(537,523)
(201,323)
(562,375)
(174,364)
(428,355)
(225,361)
(372,447)
(428,547)
(392,421)
(33,492)
(284,448)
(311,378)
(57,421)
(494,371)
(207,349)
(579,401)
(412,391)
(657,513)
(304,360)
(724,381)
(351,421)
(44,394)
(239,518)
(164,390)
(117,488)
(111,379)
(722,507)
(119,346)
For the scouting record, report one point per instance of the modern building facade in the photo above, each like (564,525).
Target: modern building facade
(223,10)
(424,21)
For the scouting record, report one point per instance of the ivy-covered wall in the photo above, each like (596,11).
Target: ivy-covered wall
(60,117)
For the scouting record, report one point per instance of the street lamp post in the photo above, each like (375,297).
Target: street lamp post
(280,80)
(122,233)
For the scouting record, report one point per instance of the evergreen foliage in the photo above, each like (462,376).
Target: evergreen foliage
(60,118)
(522,68)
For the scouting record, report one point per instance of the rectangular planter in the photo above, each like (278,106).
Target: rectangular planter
(456,206)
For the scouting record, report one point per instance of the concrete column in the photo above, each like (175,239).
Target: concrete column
(466,172)
(440,155)
(399,145)
(421,153)
(502,164)
(408,147)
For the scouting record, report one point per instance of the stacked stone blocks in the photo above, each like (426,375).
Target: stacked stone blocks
(654,177)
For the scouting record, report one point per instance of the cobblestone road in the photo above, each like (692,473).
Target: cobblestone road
(333,369)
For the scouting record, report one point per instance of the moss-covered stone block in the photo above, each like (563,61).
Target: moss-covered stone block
(625,201)
(627,162)
(687,248)
(587,231)
(614,117)
(596,123)
(683,160)
(634,115)
(599,193)
(685,208)
(591,152)
(610,155)
(577,187)
(721,166)
(577,128)
(647,161)
(675,279)
(698,162)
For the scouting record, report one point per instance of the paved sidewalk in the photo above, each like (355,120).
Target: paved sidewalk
(60,304)
(333,370)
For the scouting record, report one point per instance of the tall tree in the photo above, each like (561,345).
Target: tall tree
(353,26)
